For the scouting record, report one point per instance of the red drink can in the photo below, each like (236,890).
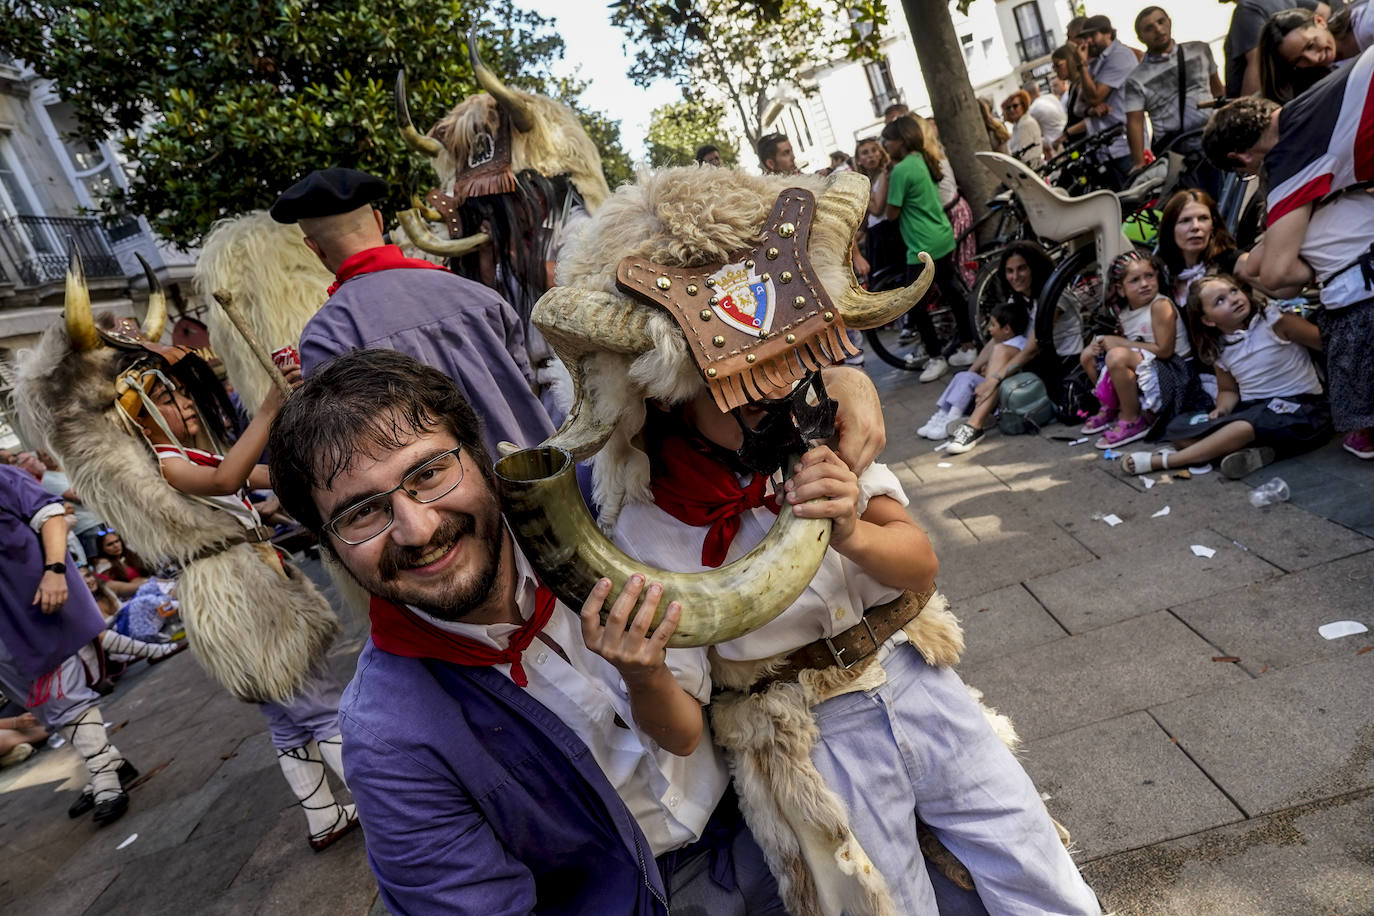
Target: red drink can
(286,358)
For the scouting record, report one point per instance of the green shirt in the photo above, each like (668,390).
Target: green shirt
(925,227)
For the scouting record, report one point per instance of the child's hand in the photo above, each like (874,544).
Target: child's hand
(822,475)
(627,645)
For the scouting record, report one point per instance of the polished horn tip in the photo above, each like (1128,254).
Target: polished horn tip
(413,138)
(80,322)
(156,318)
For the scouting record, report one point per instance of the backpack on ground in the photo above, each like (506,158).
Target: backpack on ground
(1025,405)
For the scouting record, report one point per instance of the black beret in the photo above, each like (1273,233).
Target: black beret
(327,192)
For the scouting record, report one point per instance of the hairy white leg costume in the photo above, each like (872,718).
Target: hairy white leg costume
(304,768)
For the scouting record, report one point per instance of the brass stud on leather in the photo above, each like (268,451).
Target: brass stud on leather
(664,283)
(710,373)
(785,276)
(799,302)
(751,358)
(691,289)
(712,301)
(749,264)
(718,340)
(791,338)
(787,230)
(772,253)
(705,314)
(710,282)
(828,316)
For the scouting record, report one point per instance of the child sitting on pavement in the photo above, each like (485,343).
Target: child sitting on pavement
(1007,326)
(1269,399)
(1147,378)
(906,741)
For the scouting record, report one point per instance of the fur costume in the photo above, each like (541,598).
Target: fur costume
(255,630)
(621,352)
(277,283)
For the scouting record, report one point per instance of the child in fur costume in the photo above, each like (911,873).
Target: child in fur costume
(834,765)
(304,729)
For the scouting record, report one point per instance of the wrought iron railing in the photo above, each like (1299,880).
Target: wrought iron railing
(882,100)
(1036,46)
(37,247)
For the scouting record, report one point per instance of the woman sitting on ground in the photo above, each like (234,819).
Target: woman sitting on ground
(17,737)
(1297,47)
(116,566)
(1270,402)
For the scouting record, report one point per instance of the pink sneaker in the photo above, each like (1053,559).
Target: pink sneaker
(1359,443)
(1122,432)
(1100,421)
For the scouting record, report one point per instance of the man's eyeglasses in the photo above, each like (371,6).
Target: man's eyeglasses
(432,480)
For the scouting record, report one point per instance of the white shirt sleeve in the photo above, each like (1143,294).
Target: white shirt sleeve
(42,515)
(878,480)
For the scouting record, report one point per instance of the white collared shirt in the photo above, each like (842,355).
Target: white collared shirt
(834,601)
(671,797)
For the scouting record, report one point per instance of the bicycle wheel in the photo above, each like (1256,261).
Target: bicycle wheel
(983,298)
(1070,309)
(887,344)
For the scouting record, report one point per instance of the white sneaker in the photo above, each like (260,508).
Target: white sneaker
(962,358)
(935,426)
(934,369)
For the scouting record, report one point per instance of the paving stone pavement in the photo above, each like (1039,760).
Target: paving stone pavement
(1210,752)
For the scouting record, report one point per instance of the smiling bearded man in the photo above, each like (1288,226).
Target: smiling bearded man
(505,756)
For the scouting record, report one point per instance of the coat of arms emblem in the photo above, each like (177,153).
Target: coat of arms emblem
(742,298)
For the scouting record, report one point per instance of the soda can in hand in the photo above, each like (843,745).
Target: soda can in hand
(286,358)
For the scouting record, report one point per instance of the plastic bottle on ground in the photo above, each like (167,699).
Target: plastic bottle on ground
(1275,491)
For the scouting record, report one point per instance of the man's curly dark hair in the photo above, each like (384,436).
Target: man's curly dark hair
(1235,128)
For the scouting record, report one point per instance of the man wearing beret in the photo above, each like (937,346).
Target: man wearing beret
(381,298)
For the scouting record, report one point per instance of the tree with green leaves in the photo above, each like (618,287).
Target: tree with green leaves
(219,106)
(736,52)
(677,130)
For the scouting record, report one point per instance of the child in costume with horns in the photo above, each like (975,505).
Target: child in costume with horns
(139,427)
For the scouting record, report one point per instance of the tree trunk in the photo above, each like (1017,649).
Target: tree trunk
(951,97)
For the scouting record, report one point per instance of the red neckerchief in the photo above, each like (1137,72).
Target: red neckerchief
(384,257)
(398,631)
(695,487)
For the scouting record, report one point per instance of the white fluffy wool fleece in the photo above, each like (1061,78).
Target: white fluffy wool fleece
(683,217)
(254,630)
(277,283)
(556,145)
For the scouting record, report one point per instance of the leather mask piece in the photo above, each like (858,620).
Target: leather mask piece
(790,425)
(487,171)
(758,323)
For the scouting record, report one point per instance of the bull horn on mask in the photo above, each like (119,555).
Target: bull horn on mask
(414,139)
(80,321)
(846,200)
(425,240)
(517,106)
(156,318)
(541,501)
(428,212)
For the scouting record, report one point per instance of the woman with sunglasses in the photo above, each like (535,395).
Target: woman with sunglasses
(1026,143)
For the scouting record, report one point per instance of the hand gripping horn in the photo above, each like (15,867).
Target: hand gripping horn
(517,106)
(550,521)
(414,139)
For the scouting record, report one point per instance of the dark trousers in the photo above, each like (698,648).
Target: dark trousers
(723,873)
(951,295)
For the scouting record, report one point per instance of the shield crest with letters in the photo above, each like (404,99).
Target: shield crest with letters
(742,298)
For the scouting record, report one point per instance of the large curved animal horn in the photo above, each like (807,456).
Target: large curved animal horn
(541,502)
(517,106)
(844,203)
(425,240)
(414,139)
(80,321)
(578,322)
(156,318)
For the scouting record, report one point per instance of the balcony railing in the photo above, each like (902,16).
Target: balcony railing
(1036,46)
(883,99)
(37,247)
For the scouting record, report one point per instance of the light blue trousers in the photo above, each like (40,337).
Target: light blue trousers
(919,744)
(959,392)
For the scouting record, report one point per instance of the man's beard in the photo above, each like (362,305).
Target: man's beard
(464,590)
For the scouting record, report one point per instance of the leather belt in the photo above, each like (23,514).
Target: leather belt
(854,645)
(260,534)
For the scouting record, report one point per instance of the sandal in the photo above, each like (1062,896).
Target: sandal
(1134,460)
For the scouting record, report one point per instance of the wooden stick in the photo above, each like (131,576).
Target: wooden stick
(226,302)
